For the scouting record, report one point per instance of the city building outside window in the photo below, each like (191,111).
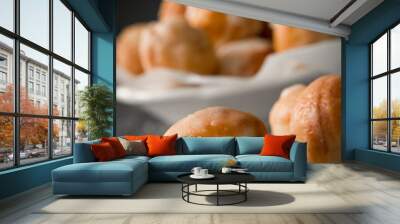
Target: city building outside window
(385,91)
(42,129)
(3,78)
(30,87)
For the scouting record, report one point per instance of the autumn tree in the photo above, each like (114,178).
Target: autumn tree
(33,131)
(380,127)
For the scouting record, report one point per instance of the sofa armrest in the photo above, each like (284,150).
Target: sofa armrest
(298,155)
(83,152)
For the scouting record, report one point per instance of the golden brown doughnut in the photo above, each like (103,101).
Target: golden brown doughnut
(315,118)
(222,28)
(170,9)
(128,48)
(218,121)
(243,57)
(285,38)
(173,44)
(281,112)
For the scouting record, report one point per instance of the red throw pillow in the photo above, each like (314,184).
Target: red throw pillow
(277,145)
(161,145)
(116,145)
(103,152)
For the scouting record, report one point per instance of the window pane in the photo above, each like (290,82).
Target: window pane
(395,136)
(379,97)
(395,47)
(379,56)
(395,94)
(379,135)
(62,29)
(62,137)
(33,140)
(35,21)
(81,81)
(62,89)
(6,142)
(81,131)
(7,14)
(6,74)
(34,72)
(81,45)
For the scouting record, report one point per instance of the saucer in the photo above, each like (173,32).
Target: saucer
(208,176)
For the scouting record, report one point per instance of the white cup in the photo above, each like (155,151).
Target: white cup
(203,172)
(196,171)
(226,170)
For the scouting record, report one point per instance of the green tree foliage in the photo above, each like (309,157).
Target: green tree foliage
(97,103)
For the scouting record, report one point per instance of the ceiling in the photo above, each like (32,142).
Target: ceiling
(334,17)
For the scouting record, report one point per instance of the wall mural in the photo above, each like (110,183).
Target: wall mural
(201,73)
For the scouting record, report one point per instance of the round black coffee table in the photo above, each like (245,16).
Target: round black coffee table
(238,179)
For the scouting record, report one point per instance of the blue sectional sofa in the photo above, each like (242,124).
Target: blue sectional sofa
(125,176)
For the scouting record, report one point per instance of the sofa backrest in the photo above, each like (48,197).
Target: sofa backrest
(249,145)
(83,152)
(206,145)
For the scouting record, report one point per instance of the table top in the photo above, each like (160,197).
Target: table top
(220,178)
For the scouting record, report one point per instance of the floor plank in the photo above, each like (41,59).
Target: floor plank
(377,190)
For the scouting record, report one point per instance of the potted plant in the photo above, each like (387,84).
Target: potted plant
(96,103)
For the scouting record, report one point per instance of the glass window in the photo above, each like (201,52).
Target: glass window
(62,29)
(395,136)
(3,61)
(3,78)
(7,14)
(385,125)
(379,135)
(34,21)
(81,45)
(395,95)
(62,137)
(30,71)
(6,142)
(81,82)
(62,72)
(34,79)
(395,47)
(33,140)
(37,89)
(6,73)
(81,131)
(30,88)
(379,97)
(43,90)
(379,56)
(40,62)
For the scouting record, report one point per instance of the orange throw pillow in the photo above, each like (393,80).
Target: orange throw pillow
(161,145)
(103,152)
(116,145)
(277,145)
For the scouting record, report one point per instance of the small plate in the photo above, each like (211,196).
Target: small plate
(208,176)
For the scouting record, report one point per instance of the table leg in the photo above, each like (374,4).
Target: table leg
(245,193)
(217,194)
(188,189)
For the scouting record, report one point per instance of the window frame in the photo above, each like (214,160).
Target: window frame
(388,74)
(16,115)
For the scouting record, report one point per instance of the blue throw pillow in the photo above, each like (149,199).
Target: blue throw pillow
(249,145)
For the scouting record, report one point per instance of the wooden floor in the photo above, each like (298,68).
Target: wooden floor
(379,189)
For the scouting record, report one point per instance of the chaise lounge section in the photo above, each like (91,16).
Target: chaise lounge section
(125,176)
